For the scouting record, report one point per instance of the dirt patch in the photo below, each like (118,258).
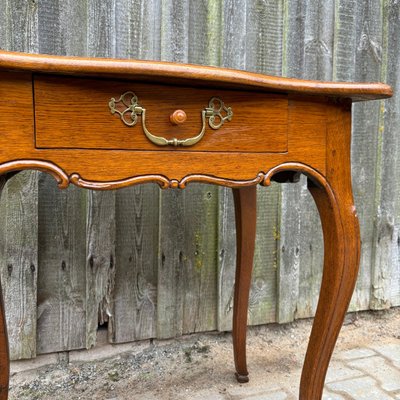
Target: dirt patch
(186,367)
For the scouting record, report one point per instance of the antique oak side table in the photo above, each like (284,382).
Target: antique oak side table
(106,124)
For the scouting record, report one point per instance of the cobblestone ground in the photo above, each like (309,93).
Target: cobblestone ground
(367,373)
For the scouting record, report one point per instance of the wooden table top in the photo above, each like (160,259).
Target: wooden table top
(187,74)
(213,125)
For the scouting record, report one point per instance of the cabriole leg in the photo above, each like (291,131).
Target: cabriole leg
(341,259)
(245,215)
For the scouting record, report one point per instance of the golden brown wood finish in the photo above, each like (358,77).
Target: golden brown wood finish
(188,75)
(111,169)
(335,204)
(245,200)
(74,113)
(62,125)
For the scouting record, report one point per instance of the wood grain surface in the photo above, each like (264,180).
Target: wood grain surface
(84,104)
(307,118)
(104,169)
(19,208)
(188,74)
(301,39)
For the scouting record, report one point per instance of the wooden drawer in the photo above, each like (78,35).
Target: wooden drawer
(74,113)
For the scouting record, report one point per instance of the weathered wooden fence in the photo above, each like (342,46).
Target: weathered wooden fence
(161,264)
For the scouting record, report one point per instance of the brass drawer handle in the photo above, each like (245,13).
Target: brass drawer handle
(216,113)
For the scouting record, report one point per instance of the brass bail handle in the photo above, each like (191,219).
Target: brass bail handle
(217,114)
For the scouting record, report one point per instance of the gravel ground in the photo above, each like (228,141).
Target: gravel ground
(186,367)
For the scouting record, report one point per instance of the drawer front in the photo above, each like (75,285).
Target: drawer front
(76,113)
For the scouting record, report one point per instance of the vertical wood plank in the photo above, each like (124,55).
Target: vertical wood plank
(138,28)
(318,64)
(62,281)
(201,206)
(385,289)
(174,28)
(18,209)
(20,26)
(101,231)
(199,259)
(62,299)
(264,44)
(214,29)
(288,279)
(171,290)
(100,262)
(62,28)
(170,272)
(262,52)
(390,201)
(134,312)
(358,56)
(308,55)
(18,249)
(101,31)
(234,16)
(135,296)
(226,260)
(188,219)
(197,32)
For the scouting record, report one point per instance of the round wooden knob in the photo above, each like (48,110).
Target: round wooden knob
(178,117)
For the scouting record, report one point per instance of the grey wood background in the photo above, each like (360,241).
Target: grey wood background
(146,263)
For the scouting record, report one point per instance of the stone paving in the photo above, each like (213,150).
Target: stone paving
(370,373)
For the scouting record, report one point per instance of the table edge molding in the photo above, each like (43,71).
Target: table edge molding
(64,180)
(188,74)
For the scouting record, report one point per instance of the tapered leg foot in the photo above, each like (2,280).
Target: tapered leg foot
(245,214)
(341,253)
(242,378)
